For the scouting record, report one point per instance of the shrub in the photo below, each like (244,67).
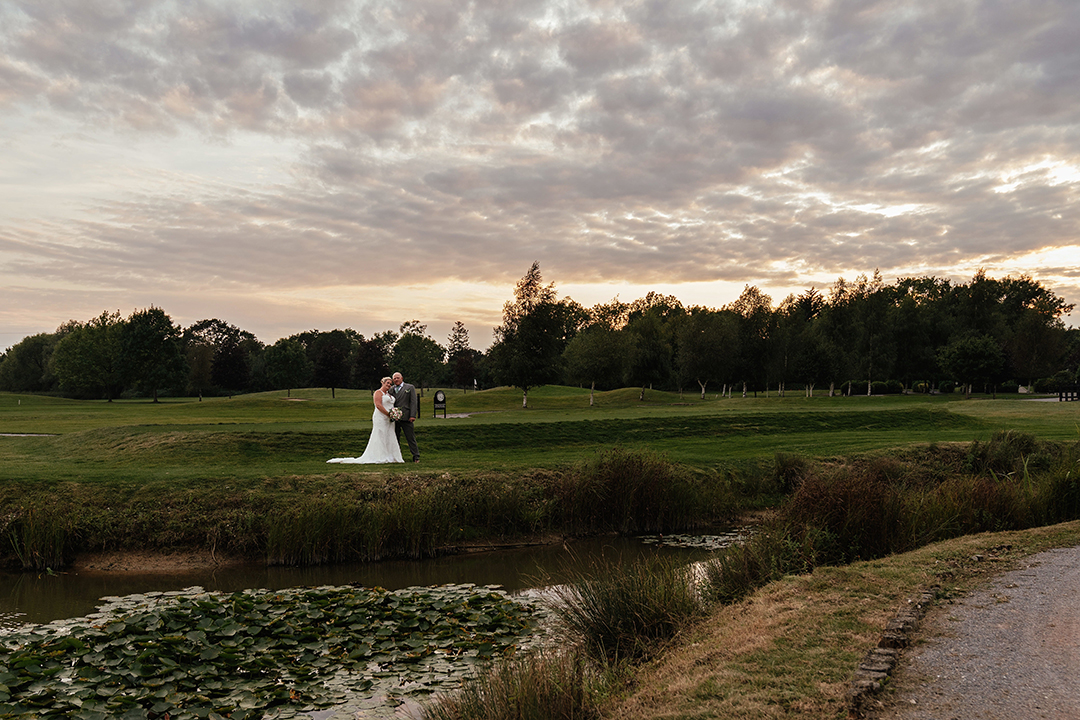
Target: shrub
(618,613)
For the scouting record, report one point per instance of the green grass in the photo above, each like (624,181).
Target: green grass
(268,435)
(226,460)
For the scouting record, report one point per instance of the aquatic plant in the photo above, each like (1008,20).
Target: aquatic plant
(240,655)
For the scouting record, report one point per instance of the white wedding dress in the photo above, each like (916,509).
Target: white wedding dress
(383,445)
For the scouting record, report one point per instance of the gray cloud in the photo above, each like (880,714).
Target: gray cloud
(660,141)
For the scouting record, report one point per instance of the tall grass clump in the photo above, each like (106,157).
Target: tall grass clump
(625,614)
(636,491)
(38,536)
(607,618)
(533,686)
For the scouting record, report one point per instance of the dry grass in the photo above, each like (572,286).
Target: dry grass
(789,650)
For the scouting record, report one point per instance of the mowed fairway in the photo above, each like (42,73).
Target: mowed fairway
(271,435)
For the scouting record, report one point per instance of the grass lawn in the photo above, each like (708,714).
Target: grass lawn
(270,435)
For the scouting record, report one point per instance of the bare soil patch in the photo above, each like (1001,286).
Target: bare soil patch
(148,561)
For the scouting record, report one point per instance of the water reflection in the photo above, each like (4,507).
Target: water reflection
(41,597)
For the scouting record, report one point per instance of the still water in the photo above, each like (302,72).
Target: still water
(41,597)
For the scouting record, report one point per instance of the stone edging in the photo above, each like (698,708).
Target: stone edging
(878,664)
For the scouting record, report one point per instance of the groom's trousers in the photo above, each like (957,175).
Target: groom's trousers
(410,436)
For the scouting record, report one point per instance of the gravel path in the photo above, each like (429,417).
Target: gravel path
(1008,651)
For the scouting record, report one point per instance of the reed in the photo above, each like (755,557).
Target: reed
(840,512)
(619,614)
(38,535)
(533,686)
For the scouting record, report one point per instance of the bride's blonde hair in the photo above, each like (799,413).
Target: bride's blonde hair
(385,379)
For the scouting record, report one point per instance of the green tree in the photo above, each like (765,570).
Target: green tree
(650,325)
(286,365)
(152,349)
(460,357)
(89,359)
(597,353)
(708,342)
(535,330)
(975,358)
(25,366)
(757,320)
(417,357)
(233,350)
(369,364)
(331,353)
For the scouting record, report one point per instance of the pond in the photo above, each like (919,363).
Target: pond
(43,597)
(387,670)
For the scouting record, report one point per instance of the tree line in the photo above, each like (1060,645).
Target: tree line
(923,334)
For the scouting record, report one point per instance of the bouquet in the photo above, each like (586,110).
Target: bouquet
(395,414)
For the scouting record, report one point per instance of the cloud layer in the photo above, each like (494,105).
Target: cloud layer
(167,148)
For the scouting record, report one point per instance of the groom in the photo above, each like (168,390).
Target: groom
(405,398)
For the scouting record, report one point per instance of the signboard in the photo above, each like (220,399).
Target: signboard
(440,403)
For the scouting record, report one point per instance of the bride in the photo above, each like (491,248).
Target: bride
(383,446)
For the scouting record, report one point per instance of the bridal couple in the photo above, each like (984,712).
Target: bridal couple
(384,445)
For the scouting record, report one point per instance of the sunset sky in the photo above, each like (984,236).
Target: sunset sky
(325,164)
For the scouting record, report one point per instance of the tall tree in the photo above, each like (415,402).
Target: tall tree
(708,342)
(535,330)
(757,320)
(370,364)
(286,365)
(331,352)
(975,358)
(89,359)
(233,351)
(25,366)
(152,349)
(418,357)
(597,353)
(461,359)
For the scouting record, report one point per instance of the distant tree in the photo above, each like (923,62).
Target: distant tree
(286,365)
(708,342)
(973,359)
(89,359)
(416,356)
(233,351)
(596,354)
(152,349)
(757,321)
(460,357)
(25,366)
(369,364)
(331,353)
(652,350)
(535,330)
(200,364)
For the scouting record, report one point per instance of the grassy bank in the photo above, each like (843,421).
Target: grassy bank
(789,649)
(838,517)
(248,476)
(357,516)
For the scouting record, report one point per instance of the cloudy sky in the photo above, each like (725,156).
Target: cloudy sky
(344,163)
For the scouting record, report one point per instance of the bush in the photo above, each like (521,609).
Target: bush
(946,386)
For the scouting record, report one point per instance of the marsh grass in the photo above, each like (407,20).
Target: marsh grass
(789,648)
(842,512)
(358,517)
(550,685)
(627,614)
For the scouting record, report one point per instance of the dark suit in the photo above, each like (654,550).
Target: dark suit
(406,399)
